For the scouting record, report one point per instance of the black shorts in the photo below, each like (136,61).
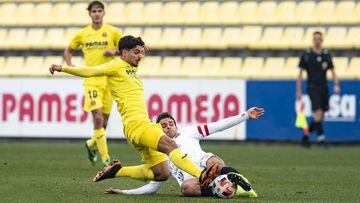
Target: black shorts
(319,97)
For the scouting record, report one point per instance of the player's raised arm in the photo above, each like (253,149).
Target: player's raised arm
(81,72)
(208,129)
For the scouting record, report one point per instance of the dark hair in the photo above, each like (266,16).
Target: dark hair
(317,33)
(165,115)
(129,42)
(95,3)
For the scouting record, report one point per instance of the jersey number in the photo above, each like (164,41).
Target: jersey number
(93,95)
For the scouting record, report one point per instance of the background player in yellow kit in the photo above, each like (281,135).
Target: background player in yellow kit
(98,42)
(147,137)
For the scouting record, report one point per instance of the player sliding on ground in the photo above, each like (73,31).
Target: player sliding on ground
(147,137)
(188,141)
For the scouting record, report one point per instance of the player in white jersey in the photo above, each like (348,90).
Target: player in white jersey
(188,141)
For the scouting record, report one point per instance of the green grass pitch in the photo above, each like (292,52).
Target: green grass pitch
(48,171)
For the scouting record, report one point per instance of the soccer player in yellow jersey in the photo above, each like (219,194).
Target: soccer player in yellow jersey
(98,42)
(147,137)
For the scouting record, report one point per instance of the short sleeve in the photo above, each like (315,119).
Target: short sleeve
(76,41)
(303,61)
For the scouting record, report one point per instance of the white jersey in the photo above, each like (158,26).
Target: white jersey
(188,141)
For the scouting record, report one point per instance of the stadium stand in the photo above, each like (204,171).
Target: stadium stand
(248,39)
(170,66)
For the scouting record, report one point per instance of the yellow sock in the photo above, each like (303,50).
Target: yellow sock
(141,172)
(184,163)
(101,144)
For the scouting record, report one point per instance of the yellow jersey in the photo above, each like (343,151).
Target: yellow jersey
(93,44)
(126,89)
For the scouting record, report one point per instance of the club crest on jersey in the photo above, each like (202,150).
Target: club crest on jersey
(319,58)
(104,34)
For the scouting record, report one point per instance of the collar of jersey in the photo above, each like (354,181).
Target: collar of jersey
(102,27)
(127,65)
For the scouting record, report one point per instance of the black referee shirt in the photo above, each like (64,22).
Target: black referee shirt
(316,66)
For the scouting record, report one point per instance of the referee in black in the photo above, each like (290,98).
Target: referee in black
(316,62)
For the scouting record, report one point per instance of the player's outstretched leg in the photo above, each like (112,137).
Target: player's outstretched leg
(108,172)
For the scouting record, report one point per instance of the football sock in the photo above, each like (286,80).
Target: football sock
(320,128)
(227,169)
(313,126)
(151,188)
(141,172)
(184,163)
(99,134)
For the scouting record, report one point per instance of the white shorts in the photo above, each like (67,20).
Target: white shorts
(181,176)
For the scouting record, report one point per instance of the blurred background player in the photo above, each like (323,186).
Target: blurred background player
(188,141)
(146,137)
(316,62)
(99,43)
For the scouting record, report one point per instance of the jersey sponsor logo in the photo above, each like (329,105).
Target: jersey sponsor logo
(342,108)
(43,108)
(96,44)
(131,72)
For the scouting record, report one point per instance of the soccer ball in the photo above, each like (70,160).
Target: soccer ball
(222,187)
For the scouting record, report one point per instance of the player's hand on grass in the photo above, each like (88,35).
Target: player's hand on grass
(255,113)
(53,68)
(113,191)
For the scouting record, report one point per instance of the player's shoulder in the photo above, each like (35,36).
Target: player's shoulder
(118,63)
(188,130)
(111,28)
(84,30)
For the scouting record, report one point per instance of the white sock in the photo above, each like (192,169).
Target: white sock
(151,188)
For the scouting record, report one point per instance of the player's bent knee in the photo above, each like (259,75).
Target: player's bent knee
(161,176)
(161,171)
